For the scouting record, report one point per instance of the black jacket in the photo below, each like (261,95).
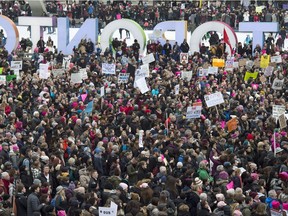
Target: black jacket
(21,204)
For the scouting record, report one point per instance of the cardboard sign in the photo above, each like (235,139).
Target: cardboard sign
(193,112)
(184,58)
(123,77)
(148,59)
(277,84)
(278,110)
(76,77)
(108,68)
(16,65)
(232,124)
(218,62)
(214,99)
(249,75)
(276,59)
(264,62)
(282,121)
(242,62)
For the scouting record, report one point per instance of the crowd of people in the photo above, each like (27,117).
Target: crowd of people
(71,148)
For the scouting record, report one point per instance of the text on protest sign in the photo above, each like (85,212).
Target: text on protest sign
(76,77)
(203,72)
(84,73)
(58,72)
(214,99)
(123,77)
(145,69)
(282,121)
(2,79)
(276,59)
(193,112)
(108,68)
(277,84)
(16,65)
(278,110)
(213,70)
(268,71)
(142,85)
(43,71)
(186,75)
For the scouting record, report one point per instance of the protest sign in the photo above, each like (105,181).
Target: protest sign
(111,211)
(43,71)
(66,62)
(140,143)
(285,6)
(148,59)
(76,77)
(232,124)
(264,62)
(184,58)
(249,64)
(58,72)
(123,77)
(10,77)
(235,64)
(84,73)
(193,112)
(278,110)
(277,84)
(213,70)
(145,69)
(206,65)
(16,65)
(263,79)
(268,71)
(276,59)
(186,75)
(214,99)
(218,62)
(249,75)
(139,74)
(242,62)
(257,63)
(108,68)
(102,91)
(229,64)
(142,85)
(2,80)
(203,72)
(17,73)
(282,121)
(177,89)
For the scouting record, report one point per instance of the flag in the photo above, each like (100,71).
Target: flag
(89,107)
(226,39)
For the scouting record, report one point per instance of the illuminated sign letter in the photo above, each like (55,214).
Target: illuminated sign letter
(200,31)
(88,30)
(180,28)
(12,33)
(258,28)
(133,27)
(36,23)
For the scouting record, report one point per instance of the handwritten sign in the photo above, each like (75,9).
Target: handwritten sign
(108,68)
(214,99)
(278,110)
(268,71)
(76,77)
(2,80)
(277,84)
(58,72)
(16,65)
(123,77)
(203,72)
(282,121)
(213,70)
(148,59)
(193,112)
(84,73)
(186,75)
(43,71)
(276,59)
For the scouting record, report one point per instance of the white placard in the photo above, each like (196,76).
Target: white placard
(276,59)
(278,110)
(203,72)
(235,64)
(186,75)
(141,133)
(58,72)
(123,77)
(102,91)
(145,69)
(2,80)
(43,71)
(268,71)
(139,74)
(84,73)
(277,84)
(184,58)
(142,85)
(66,62)
(229,63)
(214,99)
(76,77)
(213,70)
(16,65)
(17,73)
(193,112)
(111,211)
(148,59)
(108,68)
(177,89)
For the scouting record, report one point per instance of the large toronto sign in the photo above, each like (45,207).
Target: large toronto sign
(89,29)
